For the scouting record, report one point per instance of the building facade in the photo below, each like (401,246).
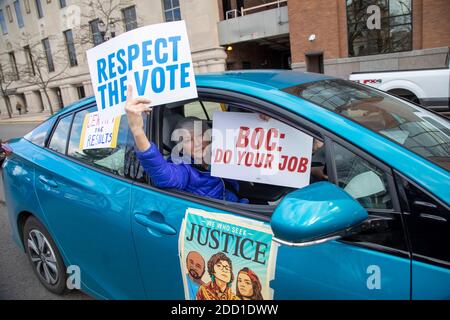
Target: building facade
(336,37)
(43,43)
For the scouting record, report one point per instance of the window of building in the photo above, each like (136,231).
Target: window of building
(68,35)
(9,13)
(48,54)
(3,23)
(39,11)
(26,3)
(58,141)
(108,159)
(12,60)
(18,14)
(95,31)
(172,10)
(62,3)
(129,18)
(81,92)
(394,34)
(29,58)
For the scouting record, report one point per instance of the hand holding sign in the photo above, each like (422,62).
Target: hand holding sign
(155,59)
(134,107)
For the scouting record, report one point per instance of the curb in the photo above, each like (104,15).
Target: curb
(22,121)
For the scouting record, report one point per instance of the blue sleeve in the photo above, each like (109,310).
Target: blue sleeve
(162,173)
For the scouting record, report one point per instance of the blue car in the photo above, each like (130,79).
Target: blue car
(373,223)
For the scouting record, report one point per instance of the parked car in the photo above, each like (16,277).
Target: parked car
(427,87)
(96,209)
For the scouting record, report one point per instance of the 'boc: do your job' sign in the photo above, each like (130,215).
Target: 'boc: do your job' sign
(155,60)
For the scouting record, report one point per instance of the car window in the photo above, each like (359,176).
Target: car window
(418,130)
(109,159)
(362,180)
(39,134)
(256,193)
(201,109)
(428,223)
(58,141)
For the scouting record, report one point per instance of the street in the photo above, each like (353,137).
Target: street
(8,131)
(17,279)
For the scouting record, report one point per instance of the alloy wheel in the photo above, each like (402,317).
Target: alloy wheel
(42,256)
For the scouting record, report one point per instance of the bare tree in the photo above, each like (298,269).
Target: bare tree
(107,14)
(43,66)
(7,78)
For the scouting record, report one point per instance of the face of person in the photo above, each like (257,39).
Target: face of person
(197,146)
(244,285)
(222,271)
(195,265)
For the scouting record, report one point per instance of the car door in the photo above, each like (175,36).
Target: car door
(85,199)
(354,268)
(428,223)
(371,264)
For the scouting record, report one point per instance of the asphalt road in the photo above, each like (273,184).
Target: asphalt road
(17,279)
(8,131)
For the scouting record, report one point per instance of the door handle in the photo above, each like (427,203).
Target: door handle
(158,226)
(49,182)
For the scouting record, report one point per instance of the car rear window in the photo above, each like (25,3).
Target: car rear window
(420,131)
(39,135)
(107,159)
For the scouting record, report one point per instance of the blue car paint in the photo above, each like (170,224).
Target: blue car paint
(315,211)
(332,270)
(329,270)
(429,282)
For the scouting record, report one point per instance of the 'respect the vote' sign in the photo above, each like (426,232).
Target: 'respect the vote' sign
(155,60)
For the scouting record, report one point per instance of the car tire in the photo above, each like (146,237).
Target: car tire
(44,256)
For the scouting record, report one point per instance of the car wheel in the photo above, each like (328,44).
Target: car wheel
(44,256)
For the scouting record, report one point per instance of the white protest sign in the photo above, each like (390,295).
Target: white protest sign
(155,60)
(245,147)
(99,132)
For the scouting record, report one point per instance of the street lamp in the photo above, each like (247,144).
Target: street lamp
(112,28)
(107,31)
(102,29)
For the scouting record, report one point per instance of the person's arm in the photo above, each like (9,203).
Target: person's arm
(162,173)
(134,109)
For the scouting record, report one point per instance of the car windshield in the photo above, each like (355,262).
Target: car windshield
(413,127)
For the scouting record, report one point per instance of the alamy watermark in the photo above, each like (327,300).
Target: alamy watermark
(73,277)
(374,279)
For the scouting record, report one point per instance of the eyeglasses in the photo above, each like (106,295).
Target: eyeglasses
(223,267)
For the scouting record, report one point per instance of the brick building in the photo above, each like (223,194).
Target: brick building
(336,37)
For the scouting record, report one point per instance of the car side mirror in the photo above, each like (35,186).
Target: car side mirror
(315,214)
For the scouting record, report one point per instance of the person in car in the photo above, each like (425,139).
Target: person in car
(193,178)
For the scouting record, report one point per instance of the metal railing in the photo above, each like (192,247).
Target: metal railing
(234,13)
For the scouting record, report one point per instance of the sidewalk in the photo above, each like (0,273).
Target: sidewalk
(24,118)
